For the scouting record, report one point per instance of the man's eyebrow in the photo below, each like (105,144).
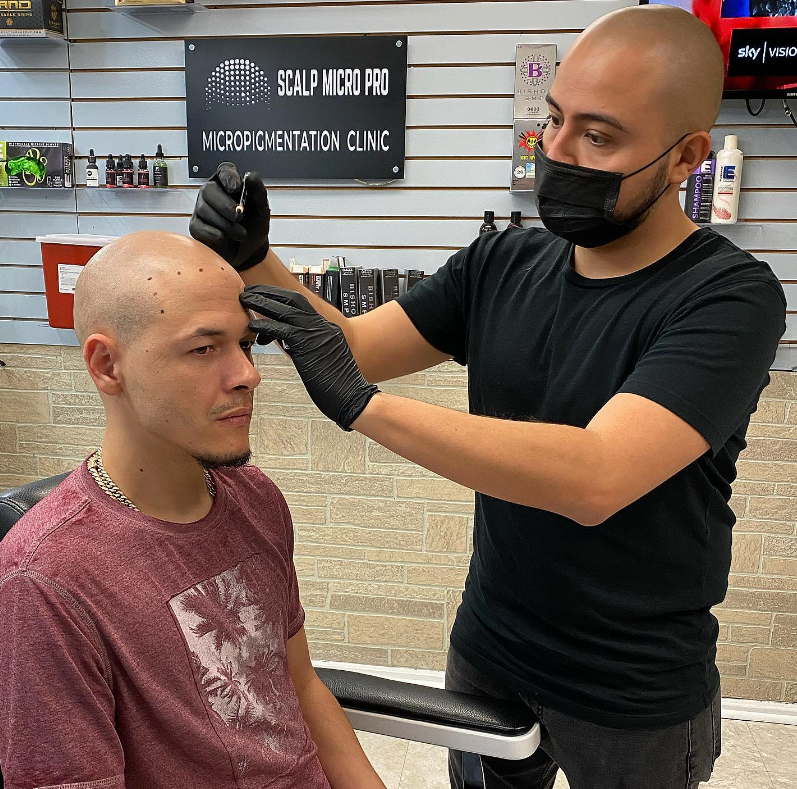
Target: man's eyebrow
(598,117)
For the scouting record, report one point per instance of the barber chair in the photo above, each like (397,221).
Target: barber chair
(419,713)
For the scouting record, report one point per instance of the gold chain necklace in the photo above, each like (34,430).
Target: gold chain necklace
(107,485)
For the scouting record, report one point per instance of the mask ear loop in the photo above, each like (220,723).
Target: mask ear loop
(658,158)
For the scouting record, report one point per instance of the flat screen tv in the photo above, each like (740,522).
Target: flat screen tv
(758,39)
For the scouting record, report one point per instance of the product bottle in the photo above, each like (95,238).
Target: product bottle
(143,173)
(725,208)
(489,222)
(514,220)
(128,174)
(110,172)
(92,171)
(160,170)
(700,191)
(120,171)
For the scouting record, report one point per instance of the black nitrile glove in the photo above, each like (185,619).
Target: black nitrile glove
(242,243)
(317,347)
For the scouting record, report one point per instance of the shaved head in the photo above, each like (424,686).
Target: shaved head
(129,285)
(662,54)
(637,95)
(168,345)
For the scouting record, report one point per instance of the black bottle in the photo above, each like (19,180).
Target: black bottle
(514,220)
(160,170)
(128,174)
(110,172)
(92,171)
(489,223)
(143,173)
(120,166)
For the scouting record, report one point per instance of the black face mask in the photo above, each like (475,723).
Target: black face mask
(577,203)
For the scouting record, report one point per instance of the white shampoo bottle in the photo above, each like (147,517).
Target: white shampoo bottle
(727,182)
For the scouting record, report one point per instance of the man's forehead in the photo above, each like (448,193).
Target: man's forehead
(219,317)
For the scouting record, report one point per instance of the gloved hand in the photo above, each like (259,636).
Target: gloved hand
(242,243)
(317,347)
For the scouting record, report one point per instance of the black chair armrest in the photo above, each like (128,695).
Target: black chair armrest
(442,717)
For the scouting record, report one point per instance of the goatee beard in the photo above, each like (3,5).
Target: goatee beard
(224,461)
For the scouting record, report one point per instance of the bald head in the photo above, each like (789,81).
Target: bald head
(659,56)
(135,282)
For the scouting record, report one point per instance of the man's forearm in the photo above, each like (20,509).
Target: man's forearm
(345,764)
(550,467)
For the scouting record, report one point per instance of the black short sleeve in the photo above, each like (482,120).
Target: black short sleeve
(437,307)
(711,361)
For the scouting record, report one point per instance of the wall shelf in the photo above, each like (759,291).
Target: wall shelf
(119,189)
(45,37)
(165,8)
(740,223)
(42,189)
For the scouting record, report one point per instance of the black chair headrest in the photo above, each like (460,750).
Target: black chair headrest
(16,502)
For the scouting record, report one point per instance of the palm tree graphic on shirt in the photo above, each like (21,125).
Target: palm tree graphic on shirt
(238,658)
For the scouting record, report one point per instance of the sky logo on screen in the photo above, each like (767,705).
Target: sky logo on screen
(237,82)
(763,52)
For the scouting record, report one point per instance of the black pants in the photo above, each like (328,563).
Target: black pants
(591,756)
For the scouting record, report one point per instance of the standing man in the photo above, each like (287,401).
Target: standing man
(614,361)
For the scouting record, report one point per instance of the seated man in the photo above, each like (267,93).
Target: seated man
(151,634)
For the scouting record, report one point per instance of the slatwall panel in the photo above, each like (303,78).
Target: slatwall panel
(34,104)
(125,76)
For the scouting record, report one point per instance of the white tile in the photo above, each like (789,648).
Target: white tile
(426,767)
(740,766)
(387,755)
(777,745)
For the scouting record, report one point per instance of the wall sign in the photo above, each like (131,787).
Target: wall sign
(535,68)
(301,108)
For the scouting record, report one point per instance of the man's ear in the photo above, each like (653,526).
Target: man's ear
(101,355)
(693,153)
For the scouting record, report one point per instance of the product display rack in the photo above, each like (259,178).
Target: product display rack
(109,189)
(160,8)
(46,37)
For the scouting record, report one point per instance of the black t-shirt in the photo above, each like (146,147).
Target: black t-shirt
(610,624)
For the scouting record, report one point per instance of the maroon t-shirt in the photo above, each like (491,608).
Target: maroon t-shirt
(141,654)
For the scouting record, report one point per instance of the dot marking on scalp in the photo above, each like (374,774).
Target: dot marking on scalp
(178,273)
(162,311)
(149,278)
(201,269)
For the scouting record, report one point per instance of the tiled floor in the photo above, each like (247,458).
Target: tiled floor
(754,756)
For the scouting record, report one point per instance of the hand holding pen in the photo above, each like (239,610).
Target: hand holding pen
(232,216)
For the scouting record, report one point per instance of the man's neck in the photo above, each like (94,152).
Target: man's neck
(662,232)
(162,482)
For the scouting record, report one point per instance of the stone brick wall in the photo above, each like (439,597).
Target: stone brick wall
(383,545)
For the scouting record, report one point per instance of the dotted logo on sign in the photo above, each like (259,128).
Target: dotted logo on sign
(237,82)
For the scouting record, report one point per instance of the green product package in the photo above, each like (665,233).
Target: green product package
(36,164)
